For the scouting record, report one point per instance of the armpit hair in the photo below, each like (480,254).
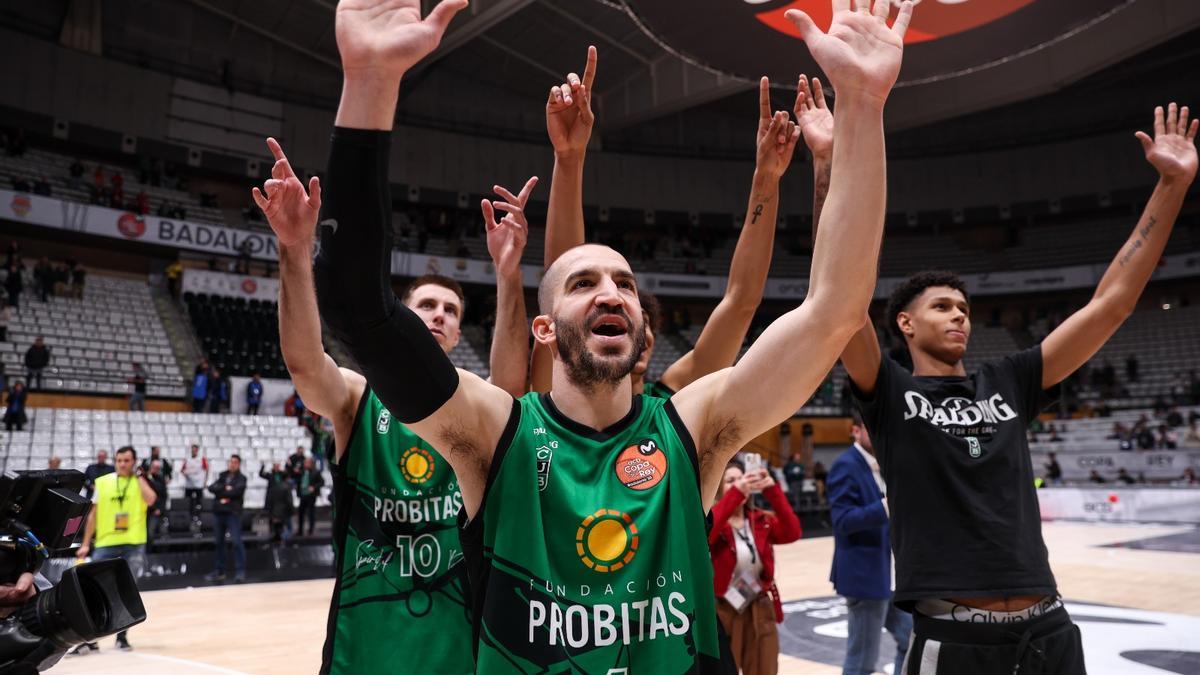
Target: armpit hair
(720,438)
(459,443)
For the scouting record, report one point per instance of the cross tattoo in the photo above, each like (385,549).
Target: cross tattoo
(757,212)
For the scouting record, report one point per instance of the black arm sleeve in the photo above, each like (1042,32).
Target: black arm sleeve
(399,356)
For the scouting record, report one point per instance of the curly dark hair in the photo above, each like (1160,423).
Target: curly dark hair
(915,285)
(652,309)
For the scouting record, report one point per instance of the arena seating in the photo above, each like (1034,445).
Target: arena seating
(76,435)
(239,337)
(36,163)
(95,341)
(1092,434)
(1166,343)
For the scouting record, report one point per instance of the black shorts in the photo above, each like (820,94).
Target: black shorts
(1049,644)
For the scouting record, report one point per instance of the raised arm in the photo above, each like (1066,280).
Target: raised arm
(1172,152)
(862,355)
(861,56)
(726,328)
(569,121)
(463,416)
(506,242)
(292,213)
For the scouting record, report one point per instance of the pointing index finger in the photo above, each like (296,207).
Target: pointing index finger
(764,98)
(589,70)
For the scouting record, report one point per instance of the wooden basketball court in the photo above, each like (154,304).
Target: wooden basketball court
(279,627)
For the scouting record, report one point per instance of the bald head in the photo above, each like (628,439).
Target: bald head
(583,257)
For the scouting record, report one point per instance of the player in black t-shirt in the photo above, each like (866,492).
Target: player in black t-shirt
(966,530)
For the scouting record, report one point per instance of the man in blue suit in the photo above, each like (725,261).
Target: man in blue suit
(862,556)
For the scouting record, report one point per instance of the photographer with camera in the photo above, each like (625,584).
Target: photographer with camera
(118,522)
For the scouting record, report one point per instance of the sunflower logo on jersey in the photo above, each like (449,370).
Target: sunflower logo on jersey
(417,465)
(607,540)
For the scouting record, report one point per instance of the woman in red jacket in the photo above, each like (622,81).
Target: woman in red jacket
(741,542)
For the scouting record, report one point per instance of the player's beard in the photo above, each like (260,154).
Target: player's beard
(584,369)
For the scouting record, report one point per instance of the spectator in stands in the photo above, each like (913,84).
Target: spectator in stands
(54,463)
(278,503)
(118,521)
(793,473)
(156,518)
(228,491)
(41,186)
(141,203)
(1131,368)
(19,184)
(75,174)
(1120,432)
(37,357)
(98,177)
(1054,437)
(861,570)
(819,476)
(1146,439)
(3,378)
(200,386)
(43,278)
(14,411)
(174,273)
(1192,438)
(308,488)
(254,394)
(295,465)
(1189,477)
(93,471)
(6,313)
(137,399)
(1167,439)
(195,476)
(1053,470)
(1096,478)
(741,543)
(156,454)
(14,284)
(12,255)
(294,405)
(218,392)
(1103,409)
(78,277)
(1124,477)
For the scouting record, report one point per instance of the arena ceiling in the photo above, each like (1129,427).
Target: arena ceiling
(671,70)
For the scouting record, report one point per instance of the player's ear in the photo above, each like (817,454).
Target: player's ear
(904,321)
(543,330)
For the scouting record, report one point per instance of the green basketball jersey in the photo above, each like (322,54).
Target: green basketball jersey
(658,390)
(400,603)
(589,554)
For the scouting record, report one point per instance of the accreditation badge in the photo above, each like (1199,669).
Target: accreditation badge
(121,522)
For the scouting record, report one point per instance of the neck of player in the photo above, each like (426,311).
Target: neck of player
(597,407)
(930,365)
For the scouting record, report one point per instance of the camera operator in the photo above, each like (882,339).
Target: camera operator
(12,596)
(118,522)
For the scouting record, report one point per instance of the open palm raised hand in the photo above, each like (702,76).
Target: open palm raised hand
(1172,151)
(814,117)
(860,53)
(290,211)
(390,36)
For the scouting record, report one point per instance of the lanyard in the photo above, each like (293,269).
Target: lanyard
(121,493)
(748,540)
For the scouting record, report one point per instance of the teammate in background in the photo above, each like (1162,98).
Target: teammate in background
(569,121)
(400,591)
(970,559)
(590,553)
